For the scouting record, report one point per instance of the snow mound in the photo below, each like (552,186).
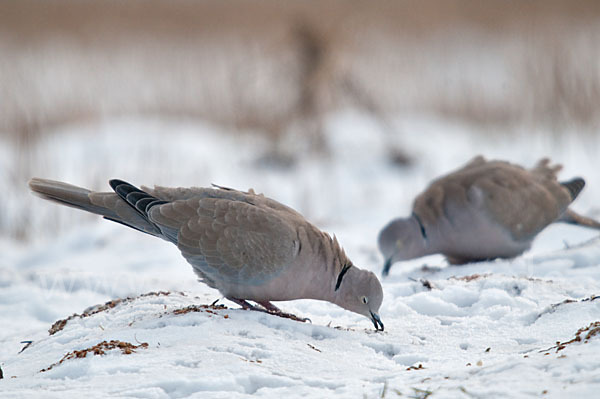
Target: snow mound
(508,328)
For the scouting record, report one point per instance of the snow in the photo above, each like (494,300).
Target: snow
(488,329)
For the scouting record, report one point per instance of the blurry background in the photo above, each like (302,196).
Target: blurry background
(341,109)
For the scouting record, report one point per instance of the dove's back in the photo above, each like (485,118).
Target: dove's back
(106,204)
(233,239)
(490,209)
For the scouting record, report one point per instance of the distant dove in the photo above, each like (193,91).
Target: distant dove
(247,246)
(485,210)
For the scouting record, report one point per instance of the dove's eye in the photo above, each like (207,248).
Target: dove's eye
(364,299)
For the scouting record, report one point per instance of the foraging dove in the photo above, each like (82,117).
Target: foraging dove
(485,210)
(247,246)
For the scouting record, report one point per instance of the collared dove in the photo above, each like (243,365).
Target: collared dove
(247,246)
(485,210)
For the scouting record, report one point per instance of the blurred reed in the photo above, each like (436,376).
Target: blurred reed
(272,67)
(267,65)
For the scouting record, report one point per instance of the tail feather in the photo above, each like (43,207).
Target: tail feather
(574,218)
(69,195)
(111,206)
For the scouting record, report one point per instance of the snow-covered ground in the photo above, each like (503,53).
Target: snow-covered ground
(482,330)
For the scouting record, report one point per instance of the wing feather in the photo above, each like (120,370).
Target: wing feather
(522,201)
(228,240)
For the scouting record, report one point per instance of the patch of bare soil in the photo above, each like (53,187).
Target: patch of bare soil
(202,308)
(552,308)
(584,334)
(60,324)
(470,277)
(99,349)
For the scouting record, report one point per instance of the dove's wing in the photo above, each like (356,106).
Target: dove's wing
(521,201)
(229,240)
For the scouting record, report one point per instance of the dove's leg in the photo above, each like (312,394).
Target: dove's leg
(245,305)
(269,306)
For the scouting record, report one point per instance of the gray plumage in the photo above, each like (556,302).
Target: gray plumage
(485,210)
(247,246)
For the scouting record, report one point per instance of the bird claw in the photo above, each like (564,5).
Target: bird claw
(285,315)
(292,316)
(274,310)
(268,307)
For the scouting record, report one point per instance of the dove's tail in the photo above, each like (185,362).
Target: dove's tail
(67,194)
(109,205)
(574,218)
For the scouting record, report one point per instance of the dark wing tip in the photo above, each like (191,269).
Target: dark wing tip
(114,183)
(123,189)
(143,203)
(138,199)
(574,186)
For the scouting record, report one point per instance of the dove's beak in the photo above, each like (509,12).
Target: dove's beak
(376,321)
(386,267)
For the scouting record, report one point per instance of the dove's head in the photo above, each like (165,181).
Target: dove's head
(360,291)
(402,239)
